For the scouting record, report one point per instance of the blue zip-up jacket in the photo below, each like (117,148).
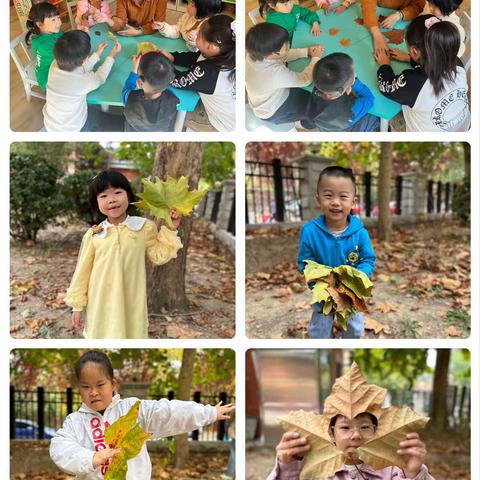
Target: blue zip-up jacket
(352,247)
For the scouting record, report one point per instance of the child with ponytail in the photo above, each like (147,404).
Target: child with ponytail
(433,92)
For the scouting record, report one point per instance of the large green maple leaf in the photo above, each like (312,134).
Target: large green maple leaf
(127,436)
(159,197)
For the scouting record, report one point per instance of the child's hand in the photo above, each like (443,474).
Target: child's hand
(397,54)
(101,48)
(382,57)
(76,320)
(224,410)
(117,48)
(316,30)
(102,456)
(136,60)
(175,218)
(316,51)
(391,20)
(192,36)
(130,31)
(291,446)
(160,26)
(167,54)
(414,452)
(83,28)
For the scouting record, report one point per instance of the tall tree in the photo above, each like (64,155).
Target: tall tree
(166,284)
(384,181)
(184,386)
(439,407)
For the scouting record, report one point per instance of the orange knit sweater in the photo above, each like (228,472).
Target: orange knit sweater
(129,11)
(409,8)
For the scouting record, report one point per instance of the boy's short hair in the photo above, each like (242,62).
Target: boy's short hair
(338,172)
(264,39)
(71,50)
(155,69)
(207,8)
(446,7)
(333,74)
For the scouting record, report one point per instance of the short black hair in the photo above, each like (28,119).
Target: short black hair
(333,421)
(38,13)
(332,73)
(104,180)
(339,172)
(207,8)
(94,356)
(155,69)
(446,7)
(264,39)
(71,49)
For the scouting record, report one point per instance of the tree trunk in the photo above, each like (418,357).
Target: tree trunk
(184,387)
(384,181)
(439,409)
(166,284)
(466,159)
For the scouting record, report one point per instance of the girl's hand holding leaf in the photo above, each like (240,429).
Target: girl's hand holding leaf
(175,218)
(291,447)
(414,452)
(224,410)
(102,456)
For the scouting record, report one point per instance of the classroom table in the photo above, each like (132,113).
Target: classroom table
(110,93)
(360,49)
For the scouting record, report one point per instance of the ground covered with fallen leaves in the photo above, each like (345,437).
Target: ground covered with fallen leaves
(448,457)
(40,274)
(421,286)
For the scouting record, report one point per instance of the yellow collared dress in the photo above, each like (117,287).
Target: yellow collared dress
(110,277)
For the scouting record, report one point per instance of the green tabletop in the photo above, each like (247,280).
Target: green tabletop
(110,93)
(360,49)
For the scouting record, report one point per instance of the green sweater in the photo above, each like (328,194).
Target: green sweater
(42,46)
(289,20)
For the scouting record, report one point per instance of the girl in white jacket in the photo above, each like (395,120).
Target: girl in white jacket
(79,447)
(189,23)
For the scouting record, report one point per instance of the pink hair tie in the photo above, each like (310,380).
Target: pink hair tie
(431,21)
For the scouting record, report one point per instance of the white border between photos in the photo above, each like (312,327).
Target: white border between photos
(240,343)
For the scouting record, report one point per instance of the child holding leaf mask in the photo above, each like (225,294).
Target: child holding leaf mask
(355,438)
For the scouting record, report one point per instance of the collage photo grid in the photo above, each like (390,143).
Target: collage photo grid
(193,295)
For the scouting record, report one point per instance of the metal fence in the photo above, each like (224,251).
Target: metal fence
(37,414)
(272,192)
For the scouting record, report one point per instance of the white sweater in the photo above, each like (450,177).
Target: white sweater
(268,81)
(82,434)
(66,107)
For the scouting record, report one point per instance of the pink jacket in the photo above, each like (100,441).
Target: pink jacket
(87,8)
(291,471)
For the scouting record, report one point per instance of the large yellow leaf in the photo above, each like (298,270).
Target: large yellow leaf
(352,395)
(323,459)
(127,436)
(314,270)
(159,197)
(145,47)
(393,424)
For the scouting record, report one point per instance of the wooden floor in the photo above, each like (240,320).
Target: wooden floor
(24,116)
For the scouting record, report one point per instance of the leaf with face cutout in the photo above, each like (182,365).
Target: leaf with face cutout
(323,456)
(159,197)
(127,436)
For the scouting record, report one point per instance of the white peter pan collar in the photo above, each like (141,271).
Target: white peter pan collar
(133,223)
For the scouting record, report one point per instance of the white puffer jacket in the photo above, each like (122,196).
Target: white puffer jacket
(82,434)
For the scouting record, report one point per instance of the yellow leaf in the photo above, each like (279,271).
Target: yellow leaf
(145,47)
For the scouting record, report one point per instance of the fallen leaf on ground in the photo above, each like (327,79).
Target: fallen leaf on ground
(450,283)
(385,308)
(453,331)
(377,327)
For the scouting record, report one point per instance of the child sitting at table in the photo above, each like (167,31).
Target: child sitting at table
(286,14)
(211,70)
(339,101)
(189,23)
(88,11)
(70,79)
(152,107)
(274,91)
(433,92)
(326,5)
(44,29)
(445,10)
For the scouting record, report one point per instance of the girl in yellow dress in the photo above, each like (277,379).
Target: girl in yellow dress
(110,277)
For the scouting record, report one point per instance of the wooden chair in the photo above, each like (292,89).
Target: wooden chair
(254,15)
(25,61)
(466,23)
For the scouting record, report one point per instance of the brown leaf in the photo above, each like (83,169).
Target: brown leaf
(385,308)
(450,283)
(395,36)
(359,21)
(377,327)
(333,31)
(345,42)
(453,331)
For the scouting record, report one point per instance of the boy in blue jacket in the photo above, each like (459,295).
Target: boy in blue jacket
(336,238)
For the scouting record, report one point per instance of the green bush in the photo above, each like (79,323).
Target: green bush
(35,197)
(461,201)
(75,195)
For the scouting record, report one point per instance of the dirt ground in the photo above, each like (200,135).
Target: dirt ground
(448,457)
(40,275)
(421,289)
